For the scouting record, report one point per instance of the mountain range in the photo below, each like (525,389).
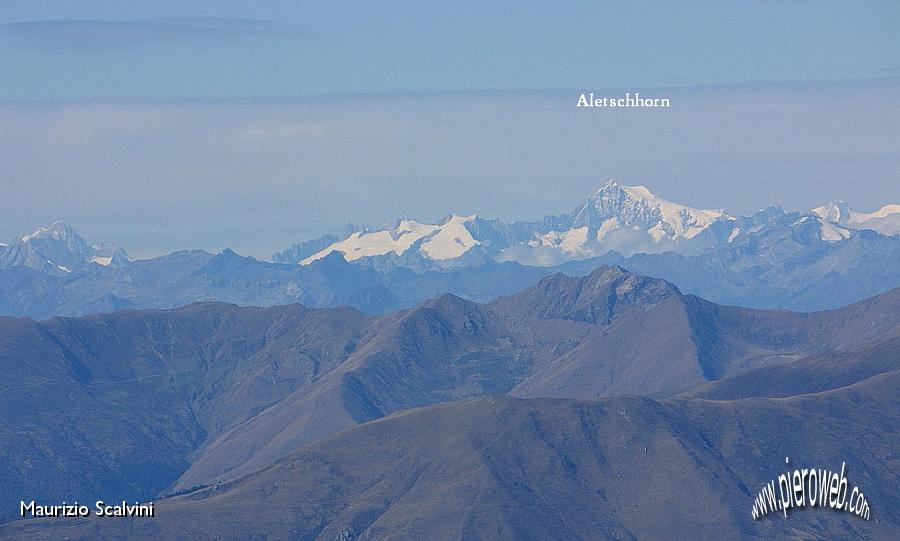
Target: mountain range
(609,405)
(625,219)
(824,258)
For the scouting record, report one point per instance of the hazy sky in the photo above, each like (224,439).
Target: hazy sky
(170,125)
(177,49)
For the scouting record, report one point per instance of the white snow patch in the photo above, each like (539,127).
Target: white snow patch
(368,244)
(104,261)
(883,212)
(832,233)
(885,220)
(687,222)
(571,241)
(441,241)
(35,235)
(658,232)
(734,233)
(451,240)
(607,226)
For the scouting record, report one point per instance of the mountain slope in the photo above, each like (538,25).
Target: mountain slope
(115,404)
(617,468)
(220,390)
(609,333)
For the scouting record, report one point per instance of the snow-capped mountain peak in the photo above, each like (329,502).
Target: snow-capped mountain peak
(885,220)
(446,240)
(58,248)
(58,231)
(837,212)
(638,207)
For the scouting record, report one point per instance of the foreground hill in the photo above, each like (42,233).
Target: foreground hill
(504,468)
(138,403)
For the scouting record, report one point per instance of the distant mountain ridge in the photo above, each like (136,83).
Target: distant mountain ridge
(825,258)
(625,219)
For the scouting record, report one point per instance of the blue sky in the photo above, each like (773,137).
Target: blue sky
(253,125)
